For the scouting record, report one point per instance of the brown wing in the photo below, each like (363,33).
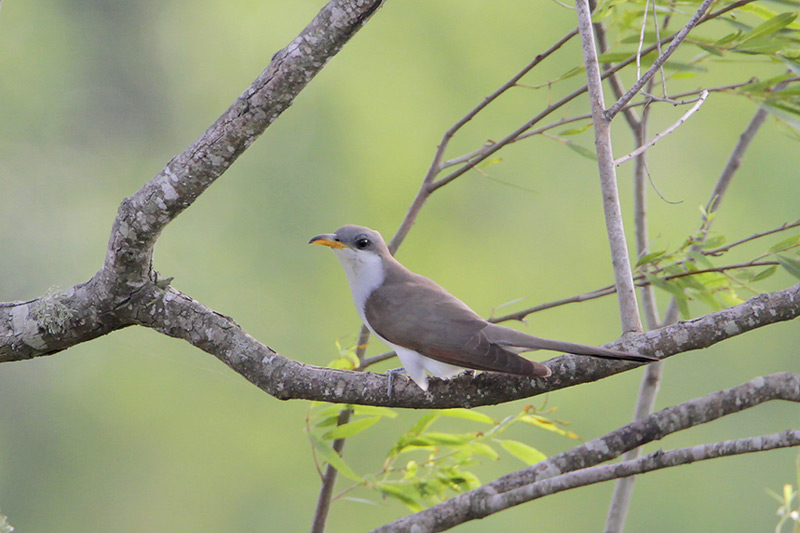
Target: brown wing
(418,314)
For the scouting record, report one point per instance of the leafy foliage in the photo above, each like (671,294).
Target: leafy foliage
(689,273)
(789,500)
(424,466)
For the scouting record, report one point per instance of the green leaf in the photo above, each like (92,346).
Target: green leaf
(770,26)
(792,266)
(759,46)
(404,492)
(615,57)
(585,152)
(489,162)
(729,38)
(327,422)
(468,414)
(764,274)
(527,454)
(351,428)
(650,258)
(785,244)
(449,439)
(423,423)
(729,298)
(481,448)
(411,470)
(543,423)
(713,242)
(333,458)
(575,131)
(707,298)
(574,71)
(792,65)
(373,410)
(701,259)
(713,50)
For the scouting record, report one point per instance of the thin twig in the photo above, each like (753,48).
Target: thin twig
(329,480)
(428,186)
(441,182)
(660,60)
(700,101)
(721,249)
(639,280)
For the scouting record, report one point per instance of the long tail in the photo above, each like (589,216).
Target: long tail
(509,337)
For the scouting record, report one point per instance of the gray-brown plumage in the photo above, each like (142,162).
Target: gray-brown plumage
(429,328)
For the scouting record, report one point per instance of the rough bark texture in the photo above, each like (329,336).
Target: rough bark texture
(53,323)
(498,494)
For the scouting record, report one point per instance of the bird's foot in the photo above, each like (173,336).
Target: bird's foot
(392,373)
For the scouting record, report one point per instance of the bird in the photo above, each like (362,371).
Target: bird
(429,329)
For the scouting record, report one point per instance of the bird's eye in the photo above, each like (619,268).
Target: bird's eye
(362,242)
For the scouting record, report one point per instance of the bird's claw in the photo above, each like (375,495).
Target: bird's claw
(392,373)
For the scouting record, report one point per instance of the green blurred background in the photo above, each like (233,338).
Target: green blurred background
(139,432)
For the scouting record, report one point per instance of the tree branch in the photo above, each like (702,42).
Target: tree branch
(478,503)
(657,64)
(623,275)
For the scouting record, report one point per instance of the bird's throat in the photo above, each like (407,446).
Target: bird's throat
(365,273)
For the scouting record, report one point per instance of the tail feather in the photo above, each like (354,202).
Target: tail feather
(503,336)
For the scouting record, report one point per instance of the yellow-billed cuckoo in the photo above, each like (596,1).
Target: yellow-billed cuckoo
(429,328)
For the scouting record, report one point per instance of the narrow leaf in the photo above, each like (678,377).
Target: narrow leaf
(542,423)
(585,152)
(792,266)
(489,162)
(764,274)
(527,454)
(373,410)
(650,258)
(333,458)
(449,439)
(701,260)
(771,26)
(481,448)
(403,492)
(468,414)
(351,428)
(785,244)
(575,131)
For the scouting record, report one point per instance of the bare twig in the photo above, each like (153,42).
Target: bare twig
(428,186)
(666,132)
(328,481)
(641,281)
(511,137)
(673,45)
(721,249)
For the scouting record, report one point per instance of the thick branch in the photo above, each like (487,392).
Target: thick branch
(143,216)
(177,315)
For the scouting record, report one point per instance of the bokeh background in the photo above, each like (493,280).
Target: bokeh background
(139,432)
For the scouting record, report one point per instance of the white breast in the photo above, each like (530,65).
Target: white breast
(364,273)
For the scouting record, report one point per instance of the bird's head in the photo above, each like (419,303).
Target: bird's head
(356,247)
